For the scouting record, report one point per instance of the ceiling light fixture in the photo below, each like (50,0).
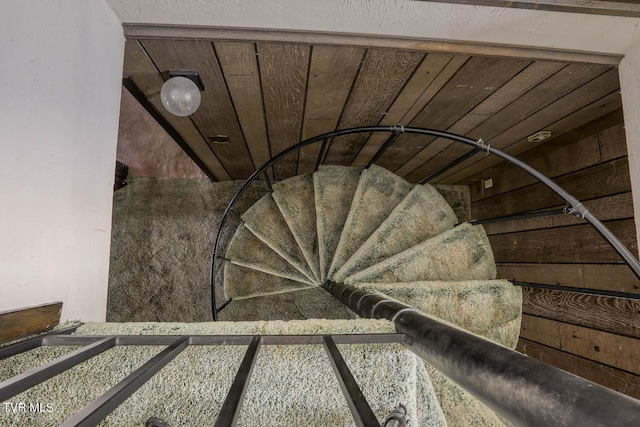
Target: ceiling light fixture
(539,136)
(180,95)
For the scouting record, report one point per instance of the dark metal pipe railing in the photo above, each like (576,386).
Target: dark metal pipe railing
(528,215)
(522,390)
(451,165)
(575,207)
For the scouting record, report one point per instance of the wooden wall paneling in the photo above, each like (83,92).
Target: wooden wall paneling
(331,75)
(618,206)
(473,83)
(572,151)
(552,160)
(589,97)
(144,73)
(283,73)
(240,69)
(382,76)
(572,244)
(606,277)
(430,75)
(618,380)
(441,151)
(610,349)
(598,181)
(613,143)
(617,315)
(216,115)
(27,321)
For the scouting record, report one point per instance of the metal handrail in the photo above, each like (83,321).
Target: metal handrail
(574,207)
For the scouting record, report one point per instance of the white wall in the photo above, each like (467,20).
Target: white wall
(60,71)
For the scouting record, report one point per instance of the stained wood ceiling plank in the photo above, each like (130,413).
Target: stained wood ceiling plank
(575,109)
(619,206)
(601,107)
(473,83)
(510,92)
(283,74)
(617,315)
(573,244)
(381,78)
(216,115)
(604,347)
(434,71)
(240,68)
(606,277)
(331,75)
(144,73)
(571,151)
(618,380)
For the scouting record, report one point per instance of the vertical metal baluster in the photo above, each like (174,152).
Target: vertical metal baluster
(358,405)
(233,403)
(97,410)
(321,154)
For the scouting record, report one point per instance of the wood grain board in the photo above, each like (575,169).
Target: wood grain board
(573,244)
(617,315)
(606,277)
(618,380)
(331,75)
(23,322)
(361,108)
(240,68)
(283,72)
(615,350)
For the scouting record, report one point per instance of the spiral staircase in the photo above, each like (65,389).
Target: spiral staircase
(376,231)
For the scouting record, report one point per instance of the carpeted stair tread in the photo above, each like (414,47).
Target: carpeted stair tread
(247,250)
(459,198)
(241,282)
(334,187)
(422,214)
(379,192)
(265,220)
(462,253)
(489,308)
(313,303)
(295,198)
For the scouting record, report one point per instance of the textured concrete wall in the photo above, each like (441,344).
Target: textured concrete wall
(146,148)
(162,240)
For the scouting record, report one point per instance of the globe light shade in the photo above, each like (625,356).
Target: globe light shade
(180,96)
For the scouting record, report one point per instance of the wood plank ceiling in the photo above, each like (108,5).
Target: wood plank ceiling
(267,96)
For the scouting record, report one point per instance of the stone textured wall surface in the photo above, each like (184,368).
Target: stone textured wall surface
(162,240)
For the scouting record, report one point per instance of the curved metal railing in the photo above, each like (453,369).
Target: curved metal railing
(574,207)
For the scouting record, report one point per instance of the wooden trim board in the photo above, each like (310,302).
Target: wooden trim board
(158,31)
(27,321)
